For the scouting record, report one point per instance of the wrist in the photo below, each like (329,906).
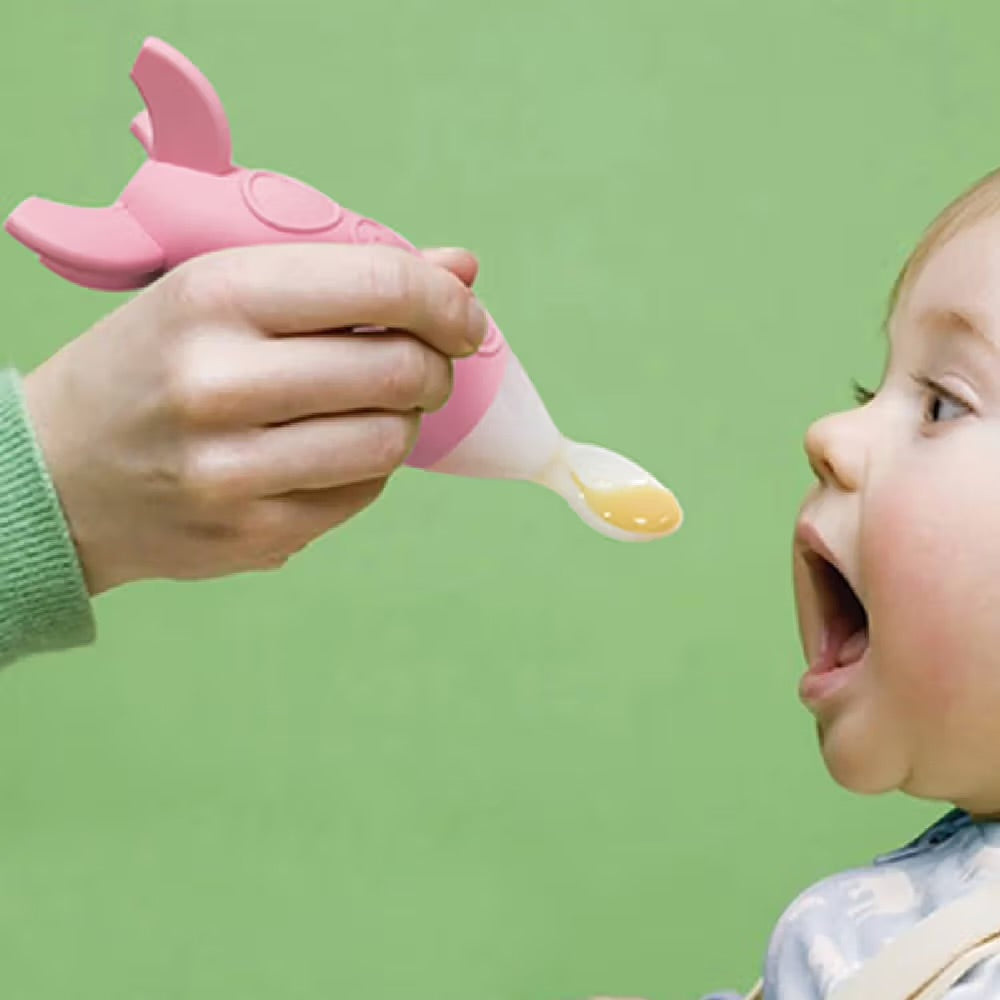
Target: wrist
(44,601)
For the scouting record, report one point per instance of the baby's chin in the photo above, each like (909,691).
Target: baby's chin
(861,755)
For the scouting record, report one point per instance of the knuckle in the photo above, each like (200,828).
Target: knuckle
(202,382)
(271,535)
(391,275)
(441,383)
(212,476)
(190,391)
(391,439)
(200,286)
(407,374)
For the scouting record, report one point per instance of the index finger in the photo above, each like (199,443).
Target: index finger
(307,288)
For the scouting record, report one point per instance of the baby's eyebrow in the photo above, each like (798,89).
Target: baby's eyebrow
(961,321)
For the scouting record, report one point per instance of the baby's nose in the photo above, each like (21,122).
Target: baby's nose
(836,450)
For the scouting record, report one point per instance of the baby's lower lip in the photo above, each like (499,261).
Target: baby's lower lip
(827,675)
(816,687)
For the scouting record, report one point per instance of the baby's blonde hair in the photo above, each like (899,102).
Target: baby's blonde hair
(979,202)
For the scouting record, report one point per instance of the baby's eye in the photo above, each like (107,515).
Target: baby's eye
(942,408)
(942,405)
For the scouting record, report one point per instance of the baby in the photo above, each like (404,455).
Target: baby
(898,596)
(896,558)
(895,564)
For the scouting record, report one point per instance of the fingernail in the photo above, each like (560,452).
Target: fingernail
(444,251)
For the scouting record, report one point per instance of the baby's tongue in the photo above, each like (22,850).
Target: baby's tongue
(854,648)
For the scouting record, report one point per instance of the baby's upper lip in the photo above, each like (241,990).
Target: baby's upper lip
(812,546)
(810,541)
(832,602)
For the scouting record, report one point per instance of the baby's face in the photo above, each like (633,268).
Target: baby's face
(903,637)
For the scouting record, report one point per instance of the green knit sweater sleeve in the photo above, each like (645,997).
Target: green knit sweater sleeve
(44,603)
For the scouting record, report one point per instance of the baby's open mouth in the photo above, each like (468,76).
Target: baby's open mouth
(845,620)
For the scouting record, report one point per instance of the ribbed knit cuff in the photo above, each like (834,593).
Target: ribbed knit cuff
(44,603)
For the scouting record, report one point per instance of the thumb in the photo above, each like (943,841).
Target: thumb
(461,263)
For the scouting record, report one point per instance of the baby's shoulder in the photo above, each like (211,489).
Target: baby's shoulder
(830,929)
(841,921)
(893,884)
(847,895)
(836,925)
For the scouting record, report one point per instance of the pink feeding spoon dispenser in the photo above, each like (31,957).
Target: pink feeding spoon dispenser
(189,198)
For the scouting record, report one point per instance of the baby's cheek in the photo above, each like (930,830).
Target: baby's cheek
(912,600)
(928,564)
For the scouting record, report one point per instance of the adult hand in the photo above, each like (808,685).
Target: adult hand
(229,414)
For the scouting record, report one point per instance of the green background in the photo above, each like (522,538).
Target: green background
(464,748)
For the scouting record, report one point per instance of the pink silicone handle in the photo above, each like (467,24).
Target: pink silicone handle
(189,198)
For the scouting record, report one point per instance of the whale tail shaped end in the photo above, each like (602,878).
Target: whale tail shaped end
(102,248)
(184,122)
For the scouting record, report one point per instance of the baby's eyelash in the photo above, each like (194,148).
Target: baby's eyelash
(936,389)
(862,396)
